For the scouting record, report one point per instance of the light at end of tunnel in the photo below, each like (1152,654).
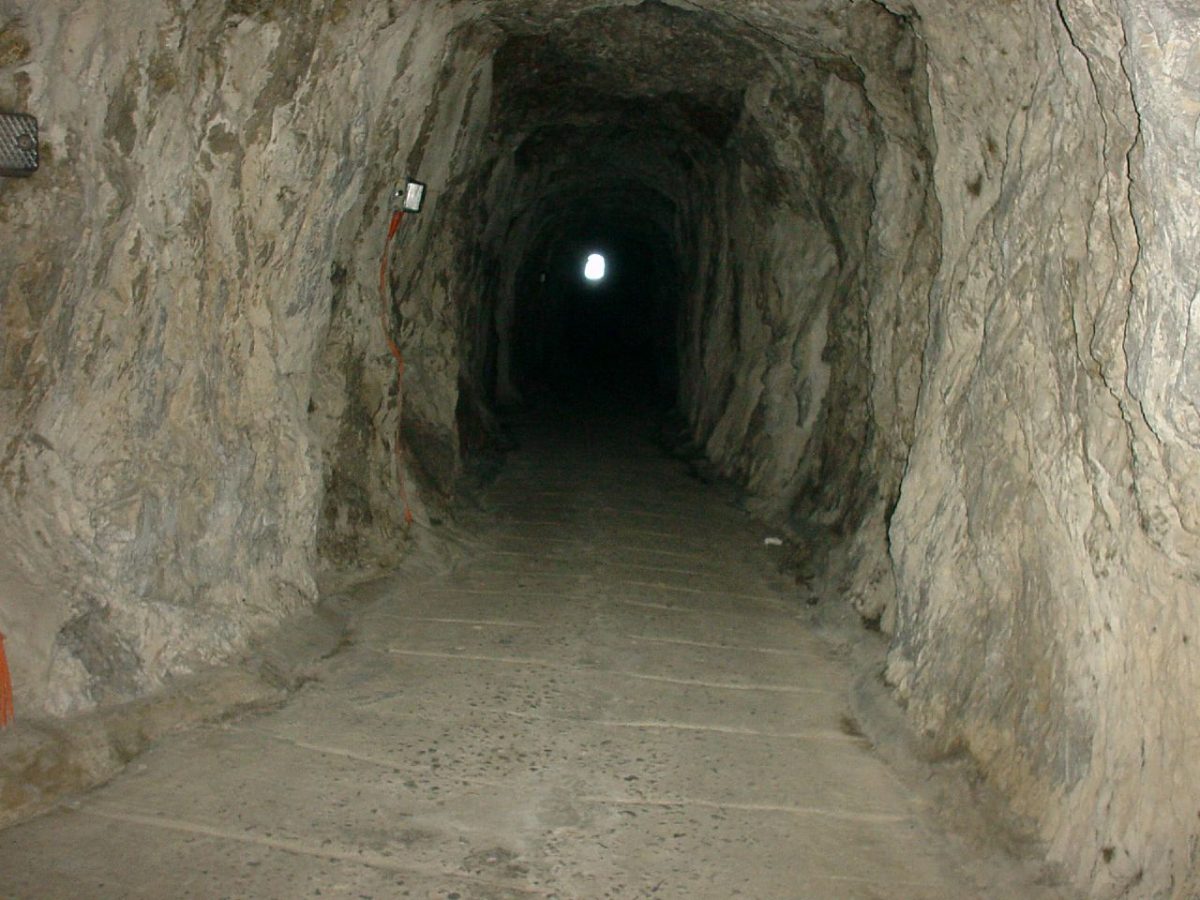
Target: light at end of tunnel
(595,268)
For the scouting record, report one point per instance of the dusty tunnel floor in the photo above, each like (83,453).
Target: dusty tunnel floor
(613,696)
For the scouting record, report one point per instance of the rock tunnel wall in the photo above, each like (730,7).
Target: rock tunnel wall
(938,265)
(986,385)
(804,331)
(194,375)
(1043,540)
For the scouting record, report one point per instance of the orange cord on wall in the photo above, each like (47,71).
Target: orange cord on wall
(385,321)
(6,693)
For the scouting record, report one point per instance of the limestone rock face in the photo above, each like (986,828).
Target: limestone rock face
(1042,542)
(194,373)
(919,275)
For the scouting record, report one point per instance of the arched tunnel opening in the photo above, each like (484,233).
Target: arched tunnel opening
(575,332)
(904,286)
(608,334)
(605,156)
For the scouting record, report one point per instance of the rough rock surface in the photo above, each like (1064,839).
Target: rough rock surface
(194,378)
(924,285)
(1043,546)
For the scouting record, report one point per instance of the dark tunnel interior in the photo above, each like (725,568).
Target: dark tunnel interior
(612,154)
(581,339)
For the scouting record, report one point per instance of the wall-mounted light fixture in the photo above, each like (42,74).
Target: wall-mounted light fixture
(410,197)
(18,144)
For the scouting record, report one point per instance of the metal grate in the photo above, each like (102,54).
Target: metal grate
(18,144)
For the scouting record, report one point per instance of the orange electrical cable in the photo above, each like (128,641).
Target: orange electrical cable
(383,290)
(385,321)
(6,694)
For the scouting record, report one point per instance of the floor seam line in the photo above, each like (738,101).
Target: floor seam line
(550,664)
(368,859)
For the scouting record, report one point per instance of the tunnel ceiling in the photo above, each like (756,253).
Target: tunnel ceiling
(820,29)
(628,206)
(596,97)
(609,124)
(685,67)
(596,64)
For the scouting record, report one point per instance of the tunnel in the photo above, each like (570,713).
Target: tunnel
(892,344)
(595,303)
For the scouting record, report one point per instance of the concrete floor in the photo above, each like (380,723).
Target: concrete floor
(612,696)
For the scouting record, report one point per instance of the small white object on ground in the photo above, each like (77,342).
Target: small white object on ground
(773,541)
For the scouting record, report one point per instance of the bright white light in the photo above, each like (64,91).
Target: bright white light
(595,268)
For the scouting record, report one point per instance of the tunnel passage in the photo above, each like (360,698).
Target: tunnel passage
(740,202)
(615,334)
(602,161)
(929,269)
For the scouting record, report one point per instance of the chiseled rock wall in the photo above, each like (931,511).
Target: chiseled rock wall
(944,278)
(779,254)
(1045,538)
(175,399)
(805,326)
(981,372)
